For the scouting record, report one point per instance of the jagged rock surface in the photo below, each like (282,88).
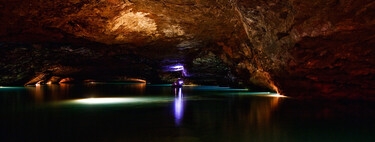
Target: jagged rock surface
(295,47)
(311,48)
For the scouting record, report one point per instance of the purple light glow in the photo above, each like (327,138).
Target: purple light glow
(180,82)
(177,67)
(178,106)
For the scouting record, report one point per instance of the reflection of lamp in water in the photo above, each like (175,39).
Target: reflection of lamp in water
(178,106)
(39,93)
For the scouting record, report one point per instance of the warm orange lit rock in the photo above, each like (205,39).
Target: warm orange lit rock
(66,80)
(296,47)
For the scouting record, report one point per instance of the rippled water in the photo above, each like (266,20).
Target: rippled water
(123,112)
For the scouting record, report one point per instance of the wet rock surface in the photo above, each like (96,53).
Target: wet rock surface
(298,48)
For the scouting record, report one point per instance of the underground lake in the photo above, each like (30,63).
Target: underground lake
(103,112)
(187,70)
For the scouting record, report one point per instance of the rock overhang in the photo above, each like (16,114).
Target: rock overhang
(262,43)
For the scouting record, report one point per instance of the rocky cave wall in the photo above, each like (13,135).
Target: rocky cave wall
(311,48)
(296,47)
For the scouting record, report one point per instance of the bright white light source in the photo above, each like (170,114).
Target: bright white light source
(178,67)
(105,100)
(276,95)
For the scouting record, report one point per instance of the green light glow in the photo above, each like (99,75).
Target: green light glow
(254,93)
(217,88)
(260,94)
(8,87)
(105,100)
(159,85)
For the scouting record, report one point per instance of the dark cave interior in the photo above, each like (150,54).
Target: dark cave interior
(298,48)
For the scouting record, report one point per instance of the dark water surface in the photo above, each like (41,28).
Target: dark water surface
(118,112)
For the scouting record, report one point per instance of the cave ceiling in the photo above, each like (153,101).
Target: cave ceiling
(319,46)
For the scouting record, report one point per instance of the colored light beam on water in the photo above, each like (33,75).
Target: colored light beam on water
(178,106)
(9,87)
(261,94)
(217,88)
(106,100)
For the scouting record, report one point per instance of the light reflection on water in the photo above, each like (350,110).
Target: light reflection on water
(39,93)
(105,100)
(139,87)
(117,100)
(178,105)
(140,112)
(260,112)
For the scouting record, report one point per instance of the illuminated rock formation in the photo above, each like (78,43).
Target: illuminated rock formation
(295,47)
